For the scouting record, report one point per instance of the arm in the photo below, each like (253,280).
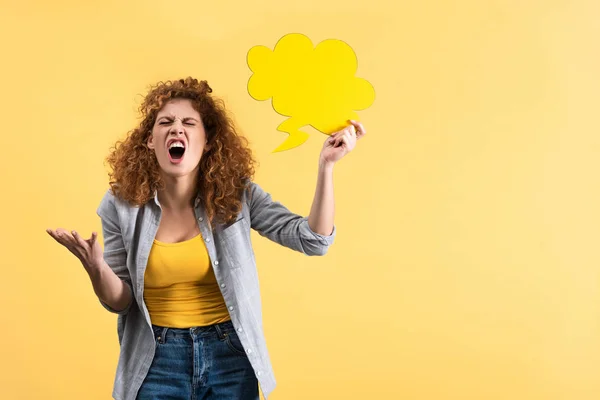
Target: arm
(321,214)
(111,279)
(108,272)
(335,148)
(114,293)
(274,221)
(312,235)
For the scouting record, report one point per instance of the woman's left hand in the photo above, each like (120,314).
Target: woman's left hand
(341,143)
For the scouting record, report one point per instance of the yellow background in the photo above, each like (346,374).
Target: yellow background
(466,265)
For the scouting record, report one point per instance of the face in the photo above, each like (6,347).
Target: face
(178,138)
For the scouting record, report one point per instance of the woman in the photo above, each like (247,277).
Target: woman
(178,266)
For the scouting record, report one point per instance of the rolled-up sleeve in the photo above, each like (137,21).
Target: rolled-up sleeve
(115,254)
(274,221)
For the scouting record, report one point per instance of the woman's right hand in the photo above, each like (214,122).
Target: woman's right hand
(109,288)
(88,251)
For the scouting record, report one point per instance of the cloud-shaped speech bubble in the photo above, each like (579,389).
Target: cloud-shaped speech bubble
(311,85)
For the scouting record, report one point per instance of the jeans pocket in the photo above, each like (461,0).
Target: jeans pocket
(233,342)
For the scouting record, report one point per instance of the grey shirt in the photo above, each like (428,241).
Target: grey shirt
(129,232)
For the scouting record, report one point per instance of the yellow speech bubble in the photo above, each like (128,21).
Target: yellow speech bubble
(311,85)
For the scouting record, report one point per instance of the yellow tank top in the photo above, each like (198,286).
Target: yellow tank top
(180,288)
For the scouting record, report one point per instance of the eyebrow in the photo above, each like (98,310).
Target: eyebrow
(172,117)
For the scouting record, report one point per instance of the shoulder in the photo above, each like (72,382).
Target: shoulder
(253,192)
(112,207)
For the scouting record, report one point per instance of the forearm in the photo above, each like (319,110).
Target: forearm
(322,211)
(109,288)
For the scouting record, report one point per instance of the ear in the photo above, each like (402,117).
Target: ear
(207,146)
(150,141)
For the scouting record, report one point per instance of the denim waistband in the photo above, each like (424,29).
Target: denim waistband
(219,330)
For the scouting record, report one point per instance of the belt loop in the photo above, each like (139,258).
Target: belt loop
(163,336)
(220,332)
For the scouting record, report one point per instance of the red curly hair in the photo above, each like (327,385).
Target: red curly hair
(225,168)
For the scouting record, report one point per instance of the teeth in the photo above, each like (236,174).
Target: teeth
(176,144)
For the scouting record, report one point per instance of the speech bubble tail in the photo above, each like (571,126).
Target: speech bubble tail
(296,137)
(293,140)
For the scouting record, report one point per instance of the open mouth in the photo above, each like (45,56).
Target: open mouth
(176,151)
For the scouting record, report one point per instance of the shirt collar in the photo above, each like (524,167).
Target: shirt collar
(196,202)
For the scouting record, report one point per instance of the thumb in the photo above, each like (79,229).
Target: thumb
(94,242)
(93,239)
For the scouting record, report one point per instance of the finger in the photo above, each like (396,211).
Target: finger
(360,129)
(348,142)
(352,130)
(55,236)
(350,138)
(336,134)
(79,240)
(61,237)
(66,236)
(333,138)
(62,232)
(92,240)
(69,242)
(75,250)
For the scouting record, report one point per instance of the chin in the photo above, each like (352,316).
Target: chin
(177,171)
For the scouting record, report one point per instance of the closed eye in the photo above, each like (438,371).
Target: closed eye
(190,123)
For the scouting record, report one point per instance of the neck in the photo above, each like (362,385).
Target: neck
(179,192)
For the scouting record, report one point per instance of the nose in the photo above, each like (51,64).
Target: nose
(176,128)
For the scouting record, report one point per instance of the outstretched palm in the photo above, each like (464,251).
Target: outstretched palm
(88,251)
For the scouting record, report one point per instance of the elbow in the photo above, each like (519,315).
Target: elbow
(317,249)
(320,252)
(313,243)
(122,305)
(118,311)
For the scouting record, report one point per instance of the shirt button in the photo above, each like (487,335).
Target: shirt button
(222,285)
(239,329)
(217,262)
(200,219)
(207,240)
(230,308)
(249,351)
(259,373)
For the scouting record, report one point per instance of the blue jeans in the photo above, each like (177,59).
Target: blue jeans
(201,363)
